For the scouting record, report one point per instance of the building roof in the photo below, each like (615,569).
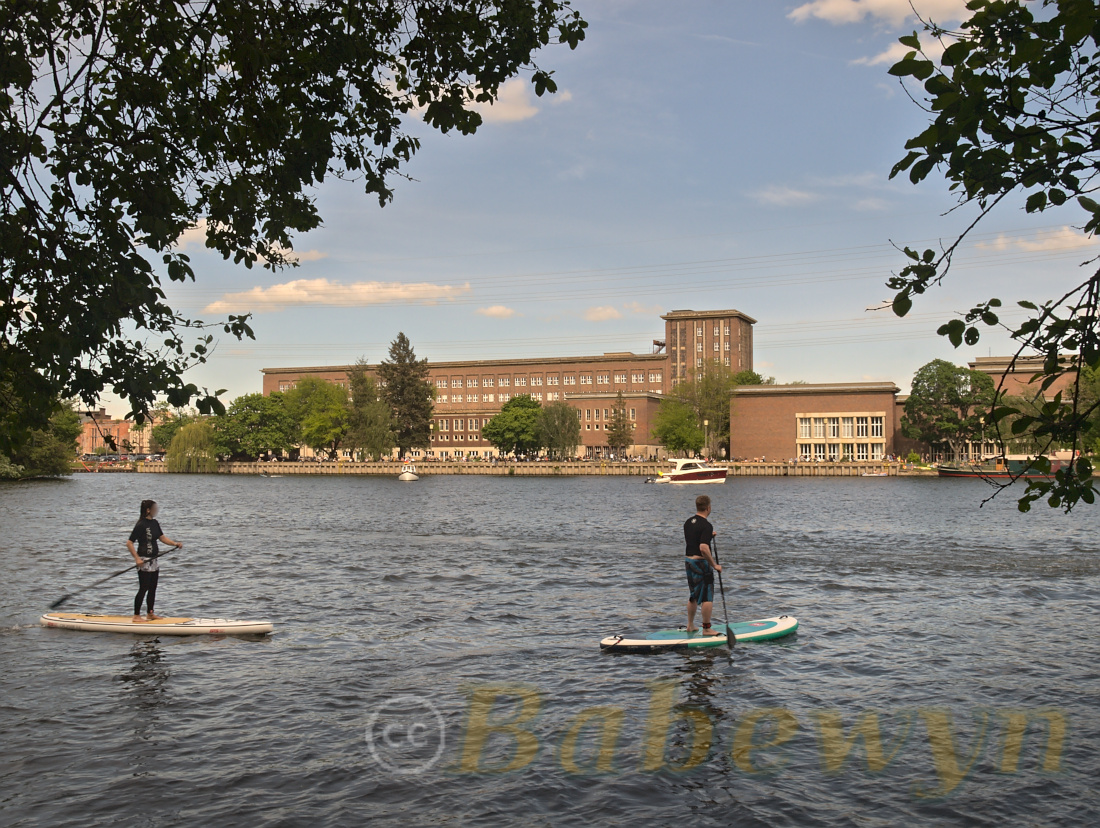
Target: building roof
(817,388)
(483,364)
(611,395)
(998,365)
(710,314)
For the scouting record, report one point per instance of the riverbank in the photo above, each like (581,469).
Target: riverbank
(548,469)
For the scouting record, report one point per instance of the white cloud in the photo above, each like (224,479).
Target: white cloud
(602,313)
(645,310)
(497,312)
(195,237)
(303,292)
(896,51)
(1064,238)
(893,12)
(781,196)
(513,103)
(561,96)
(870,204)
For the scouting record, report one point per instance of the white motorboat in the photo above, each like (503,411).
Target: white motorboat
(408,473)
(691,471)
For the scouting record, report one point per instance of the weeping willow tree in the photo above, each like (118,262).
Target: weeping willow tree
(192,450)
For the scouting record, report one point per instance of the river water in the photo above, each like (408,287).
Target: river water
(436,656)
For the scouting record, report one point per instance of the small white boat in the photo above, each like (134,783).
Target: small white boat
(408,473)
(875,474)
(691,471)
(89,622)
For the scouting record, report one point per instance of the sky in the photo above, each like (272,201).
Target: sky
(699,155)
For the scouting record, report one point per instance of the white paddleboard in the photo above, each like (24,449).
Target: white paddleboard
(165,626)
(760,630)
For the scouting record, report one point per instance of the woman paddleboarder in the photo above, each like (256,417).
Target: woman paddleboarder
(146,533)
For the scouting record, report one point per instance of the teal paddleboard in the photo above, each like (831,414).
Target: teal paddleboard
(760,630)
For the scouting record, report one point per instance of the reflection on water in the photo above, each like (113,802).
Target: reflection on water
(942,672)
(146,679)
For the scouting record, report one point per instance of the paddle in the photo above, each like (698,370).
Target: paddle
(66,597)
(731,639)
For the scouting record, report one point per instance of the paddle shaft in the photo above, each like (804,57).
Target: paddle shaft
(66,597)
(731,639)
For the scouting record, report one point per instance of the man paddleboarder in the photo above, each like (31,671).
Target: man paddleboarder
(700,564)
(146,533)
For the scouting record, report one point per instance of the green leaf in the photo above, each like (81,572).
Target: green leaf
(902,304)
(953,330)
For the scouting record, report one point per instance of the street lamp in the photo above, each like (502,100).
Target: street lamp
(706,435)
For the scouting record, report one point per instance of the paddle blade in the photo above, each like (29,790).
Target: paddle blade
(60,601)
(731,639)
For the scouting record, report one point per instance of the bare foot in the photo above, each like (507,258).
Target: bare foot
(151,617)
(710,631)
(136,619)
(692,629)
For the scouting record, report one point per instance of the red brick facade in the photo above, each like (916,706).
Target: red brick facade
(469,393)
(814,422)
(1018,383)
(693,338)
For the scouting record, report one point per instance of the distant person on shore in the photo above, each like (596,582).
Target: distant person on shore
(146,534)
(700,564)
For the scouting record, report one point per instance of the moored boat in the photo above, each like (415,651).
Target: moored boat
(691,471)
(408,473)
(1012,466)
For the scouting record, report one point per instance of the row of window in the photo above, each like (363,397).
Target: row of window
(834,452)
(589,412)
(698,361)
(699,330)
(619,378)
(840,427)
(461,423)
(589,426)
(699,346)
(551,396)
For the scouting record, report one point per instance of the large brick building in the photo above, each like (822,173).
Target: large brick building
(828,422)
(469,393)
(99,431)
(822,422)
(856,420)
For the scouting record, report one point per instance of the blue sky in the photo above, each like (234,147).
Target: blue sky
(698,155)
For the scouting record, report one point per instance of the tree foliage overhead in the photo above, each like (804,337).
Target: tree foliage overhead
(515,430)
(1015,105)
(124,125)
(405,386)
(947,404)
